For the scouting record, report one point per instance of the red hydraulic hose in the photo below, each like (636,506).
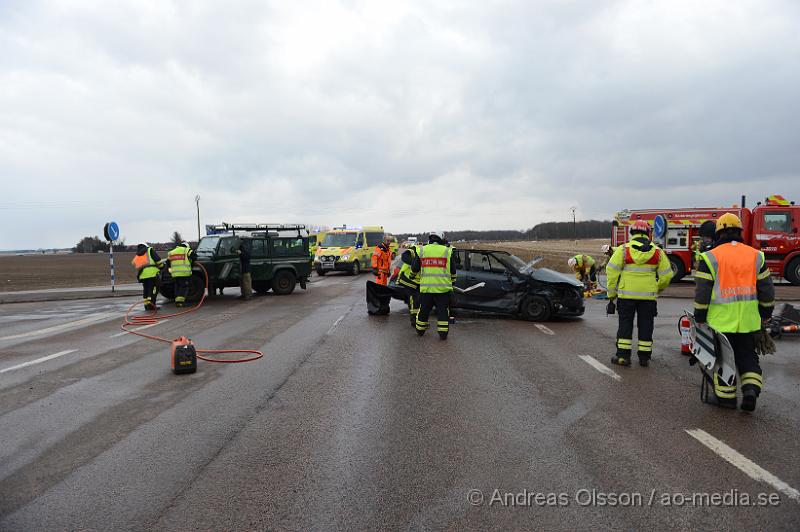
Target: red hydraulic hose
(152,319)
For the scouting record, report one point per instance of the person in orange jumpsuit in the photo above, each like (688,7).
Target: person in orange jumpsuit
(382,262)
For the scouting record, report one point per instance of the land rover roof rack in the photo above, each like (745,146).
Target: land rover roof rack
(229,227)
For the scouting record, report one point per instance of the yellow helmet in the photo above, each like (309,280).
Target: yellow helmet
(727,221)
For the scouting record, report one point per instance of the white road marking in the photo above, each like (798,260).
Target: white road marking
(38,360)
(600,367)
(747,466)
(63,327)
(545,329)
(143,327)
(337,322)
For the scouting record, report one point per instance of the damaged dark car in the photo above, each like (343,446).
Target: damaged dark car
(512,286)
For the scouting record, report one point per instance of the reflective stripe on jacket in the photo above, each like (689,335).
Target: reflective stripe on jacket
(638,270)
(734,269)
(435,277)
(180,264)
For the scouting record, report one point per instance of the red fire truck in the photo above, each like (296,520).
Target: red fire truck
(773,227)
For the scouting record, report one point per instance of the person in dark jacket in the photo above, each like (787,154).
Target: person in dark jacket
(245,279)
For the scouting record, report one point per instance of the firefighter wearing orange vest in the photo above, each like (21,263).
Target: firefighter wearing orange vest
(382,261)
(637,272)
(147,264)
(734,294)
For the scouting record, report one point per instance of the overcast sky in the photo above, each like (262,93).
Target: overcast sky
(466,115)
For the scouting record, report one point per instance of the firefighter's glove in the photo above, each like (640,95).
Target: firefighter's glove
(375,272)
(764,343)
(611,308)
(692,360)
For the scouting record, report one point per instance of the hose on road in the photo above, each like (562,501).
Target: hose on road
(152,319)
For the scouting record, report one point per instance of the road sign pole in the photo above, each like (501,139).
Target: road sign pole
(111,255)
(111,232)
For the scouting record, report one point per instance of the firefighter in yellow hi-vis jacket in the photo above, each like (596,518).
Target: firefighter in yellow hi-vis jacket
(179,260)
(437,274)
(408,281)
(147,264)
(637,272)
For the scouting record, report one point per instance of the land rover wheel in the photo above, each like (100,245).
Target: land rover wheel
(283,282)
(356,268)
(197,287)
(536,308)
(320,271)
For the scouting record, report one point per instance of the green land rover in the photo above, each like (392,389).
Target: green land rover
(279,259)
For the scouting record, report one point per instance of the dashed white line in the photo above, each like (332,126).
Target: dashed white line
(63,327)
(337,322)
(38,360)
(747,466)
(600,367)
(143,327)
(545,329)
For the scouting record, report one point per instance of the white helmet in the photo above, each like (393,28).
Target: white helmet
(606,248)
(439,234)
(572,262)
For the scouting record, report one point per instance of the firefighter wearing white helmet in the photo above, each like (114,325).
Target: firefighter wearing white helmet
(585,269)
(437,272)
(734,294)
(147,264)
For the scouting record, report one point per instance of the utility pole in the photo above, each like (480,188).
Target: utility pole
(574,226)
(197,201)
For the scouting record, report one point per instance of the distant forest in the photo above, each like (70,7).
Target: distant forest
(543,231)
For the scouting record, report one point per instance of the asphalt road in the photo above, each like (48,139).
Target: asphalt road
(353,422)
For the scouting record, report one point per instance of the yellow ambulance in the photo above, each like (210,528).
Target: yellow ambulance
(313,241)
(347,249)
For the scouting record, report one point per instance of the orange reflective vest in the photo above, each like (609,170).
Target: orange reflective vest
(734,268)
(145,265)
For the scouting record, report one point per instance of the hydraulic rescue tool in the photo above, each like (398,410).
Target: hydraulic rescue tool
(713,352)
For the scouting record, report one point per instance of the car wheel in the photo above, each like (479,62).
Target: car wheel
(356,269)
(321,272)
(197,287)
(283,282)
(536,308)
(793,272)
(678,269)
